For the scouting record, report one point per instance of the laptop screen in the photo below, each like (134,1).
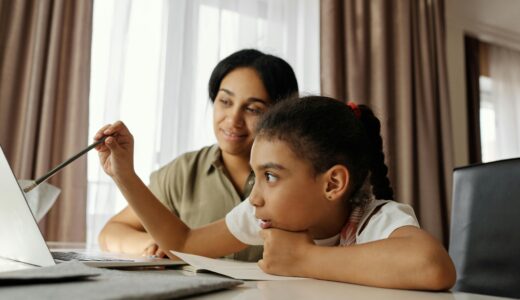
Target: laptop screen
(20,237)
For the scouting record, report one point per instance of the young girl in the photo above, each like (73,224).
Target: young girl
(321,203)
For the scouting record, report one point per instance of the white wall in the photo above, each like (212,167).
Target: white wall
(496,22)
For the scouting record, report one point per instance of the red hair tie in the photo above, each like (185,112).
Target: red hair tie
(355,109)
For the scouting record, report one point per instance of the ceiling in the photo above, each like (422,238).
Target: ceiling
(500,14)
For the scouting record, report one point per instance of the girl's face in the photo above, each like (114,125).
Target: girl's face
(241,100)
(288,195)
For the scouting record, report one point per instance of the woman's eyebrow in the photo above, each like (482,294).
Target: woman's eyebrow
(261,101)
(227,91)
(250,99)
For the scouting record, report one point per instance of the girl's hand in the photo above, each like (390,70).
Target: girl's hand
(285,252)
(116,154)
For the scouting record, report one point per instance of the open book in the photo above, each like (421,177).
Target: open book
(230,268)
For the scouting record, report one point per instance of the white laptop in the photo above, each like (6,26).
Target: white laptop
(22,241)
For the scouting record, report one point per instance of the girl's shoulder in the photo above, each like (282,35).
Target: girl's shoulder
(382,217)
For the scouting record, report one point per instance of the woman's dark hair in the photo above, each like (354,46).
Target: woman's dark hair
(276,74)
(326,132)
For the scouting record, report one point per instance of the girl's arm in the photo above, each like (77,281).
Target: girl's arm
(170,233)
(212,240)
(409,259)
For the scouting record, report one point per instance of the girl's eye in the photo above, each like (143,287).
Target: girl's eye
(270,177)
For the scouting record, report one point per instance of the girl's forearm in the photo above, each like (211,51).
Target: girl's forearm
(170,233)
(389,263)
(167,229)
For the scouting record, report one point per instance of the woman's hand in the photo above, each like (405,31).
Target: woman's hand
(116,154)
(153,250)
(285,252)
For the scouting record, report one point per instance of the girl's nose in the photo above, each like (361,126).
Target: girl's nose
(255,198)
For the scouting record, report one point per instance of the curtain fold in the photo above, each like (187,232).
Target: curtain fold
(472,59)
(391,56)
(44,88)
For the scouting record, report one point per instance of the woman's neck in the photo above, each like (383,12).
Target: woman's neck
(238,169)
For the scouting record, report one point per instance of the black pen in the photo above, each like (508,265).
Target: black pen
(59,167)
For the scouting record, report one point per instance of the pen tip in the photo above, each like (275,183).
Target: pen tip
(29,188)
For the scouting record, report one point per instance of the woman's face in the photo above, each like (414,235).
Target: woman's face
(241,100)
(287,193)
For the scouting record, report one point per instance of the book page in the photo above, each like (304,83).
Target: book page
(234,269)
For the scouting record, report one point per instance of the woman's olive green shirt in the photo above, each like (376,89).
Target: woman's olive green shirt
(195,187)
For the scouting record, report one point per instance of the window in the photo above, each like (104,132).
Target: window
(499,102)
(125,74)
(487,120)
(151,62)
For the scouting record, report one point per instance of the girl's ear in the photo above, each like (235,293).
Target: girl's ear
(336,182)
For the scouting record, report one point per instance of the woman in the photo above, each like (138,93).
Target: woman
(202,186)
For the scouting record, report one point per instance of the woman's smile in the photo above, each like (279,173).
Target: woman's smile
(233,135)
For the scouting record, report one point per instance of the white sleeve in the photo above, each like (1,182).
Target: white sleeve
(390,216)
(243,225)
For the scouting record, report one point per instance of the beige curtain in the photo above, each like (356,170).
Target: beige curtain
(44,87)
(391,56)
(472,59)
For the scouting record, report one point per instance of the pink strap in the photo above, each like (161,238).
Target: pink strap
(348,233)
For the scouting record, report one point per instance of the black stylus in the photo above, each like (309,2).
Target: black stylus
(59,167)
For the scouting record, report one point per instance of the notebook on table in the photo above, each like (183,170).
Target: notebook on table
(231,268)
(22,241)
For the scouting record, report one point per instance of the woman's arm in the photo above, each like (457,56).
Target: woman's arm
(125,233)
(409,259)
(170,233)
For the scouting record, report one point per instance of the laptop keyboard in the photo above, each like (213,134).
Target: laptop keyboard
(67,256)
